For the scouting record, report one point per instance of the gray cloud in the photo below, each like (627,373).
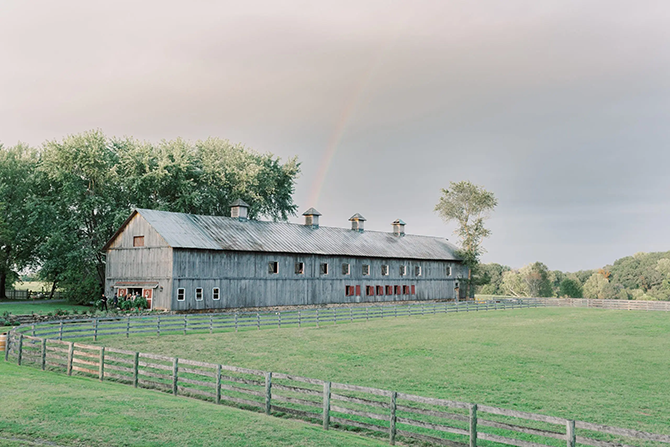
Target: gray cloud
(559,107)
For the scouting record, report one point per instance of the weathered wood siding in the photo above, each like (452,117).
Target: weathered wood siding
(244,280)
(153,262)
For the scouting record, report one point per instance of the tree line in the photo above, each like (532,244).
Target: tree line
(60,203)
(643,276)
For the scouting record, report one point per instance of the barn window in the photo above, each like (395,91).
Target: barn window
(380,290)
(413,289)
(198,294)
(273,267)
(215,293)
(366,269)
(397,290)
(299,268)
(449,271)
(358,290)
(385,270)
(346,269)
(403,270)
(417,270)
(389,290)
(369,290)
(324,269)
(405,290)
(138,241)
(349,290)
(181,294)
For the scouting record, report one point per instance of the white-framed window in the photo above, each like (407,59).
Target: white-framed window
(403,270)
(299,268)
(324,268)
(198,293)
(366,269)
(346,269)
(417,270)
(273,267)
(216,293)
(449,270)
(385,270)
(181,294)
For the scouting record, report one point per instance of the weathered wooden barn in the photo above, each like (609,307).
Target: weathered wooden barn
(186,262)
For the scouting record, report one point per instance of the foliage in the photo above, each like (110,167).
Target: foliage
(532,280)
(492,278)
(598,286)
(85,186)
(570,288)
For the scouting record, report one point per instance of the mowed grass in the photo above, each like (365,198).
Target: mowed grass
(76,411)
(42,308)
(601,366)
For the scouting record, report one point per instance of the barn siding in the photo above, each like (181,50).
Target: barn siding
(153,262)
(244,279)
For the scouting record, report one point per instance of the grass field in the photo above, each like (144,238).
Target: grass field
(608,367)
(73,411)
(29,307)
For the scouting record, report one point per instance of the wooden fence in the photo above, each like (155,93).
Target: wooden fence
(380,413)
(663,306)
(23,294)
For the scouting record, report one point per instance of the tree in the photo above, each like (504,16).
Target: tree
(19,237)
(599,287)
(570,288)
(538,279)
(469,206)
(513,284)
(492,278)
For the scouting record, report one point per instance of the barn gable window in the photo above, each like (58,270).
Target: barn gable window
(138,241)
(449,271)
(198,294)
(417,270)
(346,269)
(403,270)
(181,294)
(366,269)
(216,293)
(273,267)
(385,270)
(324,268)
(299,268)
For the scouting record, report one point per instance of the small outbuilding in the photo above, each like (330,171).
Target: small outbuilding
(186,262)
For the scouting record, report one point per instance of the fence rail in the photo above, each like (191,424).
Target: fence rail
(381,413)
(24,295)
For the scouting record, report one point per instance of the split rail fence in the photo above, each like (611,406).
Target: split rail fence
(392,415)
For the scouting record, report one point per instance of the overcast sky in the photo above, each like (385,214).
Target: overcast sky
(561,108)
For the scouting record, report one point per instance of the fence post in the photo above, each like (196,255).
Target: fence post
(235,321)
(33,328)
(136,368)
(218,384)
(317,318)
(382,308)
(70,356)
(392,420)
(258,320)
(268,393)
(571,437)
(473,425)
(175,372)
(351,314)
(60,330)
(326,405)
(395,311)
(95,329)
(335,316)
(211,324)
(43,352)
(185,323)
(8,345)
(158,325)
(366,313)
(101,367)
(299,319)
(128,326)
(18,361)
(279,319)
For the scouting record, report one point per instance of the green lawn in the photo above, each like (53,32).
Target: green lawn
(75,411)
(601,366)
(29,307)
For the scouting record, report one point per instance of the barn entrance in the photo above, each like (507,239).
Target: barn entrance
(145,289)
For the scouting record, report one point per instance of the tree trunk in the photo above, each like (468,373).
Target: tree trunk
(3,284)
(53,290)
(467,286)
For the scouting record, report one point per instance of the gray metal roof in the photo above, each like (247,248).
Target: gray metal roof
(225,233)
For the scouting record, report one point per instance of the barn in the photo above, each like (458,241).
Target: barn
(185,262)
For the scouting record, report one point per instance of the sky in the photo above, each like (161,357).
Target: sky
(560,108)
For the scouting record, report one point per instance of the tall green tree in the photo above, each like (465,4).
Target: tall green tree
(468,205)
(19,235)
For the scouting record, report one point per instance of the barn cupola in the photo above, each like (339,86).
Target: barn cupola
(312,218)
(357,222)
(398,227)
(239,209)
